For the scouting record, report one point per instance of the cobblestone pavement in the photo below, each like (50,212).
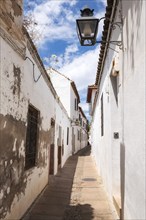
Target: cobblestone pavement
(75,193)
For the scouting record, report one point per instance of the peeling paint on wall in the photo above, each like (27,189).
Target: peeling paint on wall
(14,179)
(17,81)
(45,139)
(17,9)
(12,133)
(11,18)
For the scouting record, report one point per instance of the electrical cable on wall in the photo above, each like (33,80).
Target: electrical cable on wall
(35,80)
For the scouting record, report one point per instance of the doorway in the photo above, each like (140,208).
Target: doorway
(73,141)
(51,168)
(59,156)
(52,147)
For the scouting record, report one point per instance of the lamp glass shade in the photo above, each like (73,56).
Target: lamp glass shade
(87,30)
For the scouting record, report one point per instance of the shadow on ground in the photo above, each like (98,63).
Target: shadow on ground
(78,212)
(54,202)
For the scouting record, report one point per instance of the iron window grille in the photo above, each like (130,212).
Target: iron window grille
(31,137)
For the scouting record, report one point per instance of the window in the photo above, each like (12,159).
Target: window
(59,137)
(78,135)
(76,104)
(114,83)
(102,117)
(67,135)
(79,117)
(31,137)
(81,121)
(81,136)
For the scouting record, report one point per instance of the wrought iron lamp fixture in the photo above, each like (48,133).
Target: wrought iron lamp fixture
(87,28)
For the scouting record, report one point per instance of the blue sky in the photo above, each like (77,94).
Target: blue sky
(58,44)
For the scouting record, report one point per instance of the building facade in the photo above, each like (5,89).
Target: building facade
(35,127)
(118,112)
(68,95)
(83,132)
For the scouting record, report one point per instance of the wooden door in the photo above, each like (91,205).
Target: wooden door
(51,168)
(59,156)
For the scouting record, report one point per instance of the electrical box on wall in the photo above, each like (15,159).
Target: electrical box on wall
(116,135)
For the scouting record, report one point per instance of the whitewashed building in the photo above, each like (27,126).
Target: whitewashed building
(35,137)
(62,138)
(68,95)
(118,126)
(83,131)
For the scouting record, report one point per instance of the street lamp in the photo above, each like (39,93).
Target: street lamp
(87,28)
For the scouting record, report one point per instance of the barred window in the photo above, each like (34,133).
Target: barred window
(31,137)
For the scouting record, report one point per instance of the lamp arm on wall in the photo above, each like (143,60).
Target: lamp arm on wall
(113,25)
(35,80)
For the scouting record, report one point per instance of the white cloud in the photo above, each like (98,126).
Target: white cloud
(62,60)
(69,51)
(55,22)
(82,69)
(104,2)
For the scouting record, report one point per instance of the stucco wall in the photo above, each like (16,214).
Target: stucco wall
(18,89)
(67,97)
(62,87)
(63,121)
(134,108)
(74,113)
(121,161)
(20,187)
(21,85)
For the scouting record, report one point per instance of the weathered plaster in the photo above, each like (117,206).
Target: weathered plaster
(11,19)
(20,187)
(121,161)
(14,179)
(16,8)
(44,147)
(12,162)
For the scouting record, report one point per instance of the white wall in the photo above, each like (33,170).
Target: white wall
(92,97)
(18,90)
(63,121)
(134,96)
(83,131)
(121,161)
(73,113)
(62,87)
(101,145)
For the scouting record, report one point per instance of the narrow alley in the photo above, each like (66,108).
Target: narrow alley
(72,75)
(75,193)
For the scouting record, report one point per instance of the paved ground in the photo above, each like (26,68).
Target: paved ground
(75,193)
